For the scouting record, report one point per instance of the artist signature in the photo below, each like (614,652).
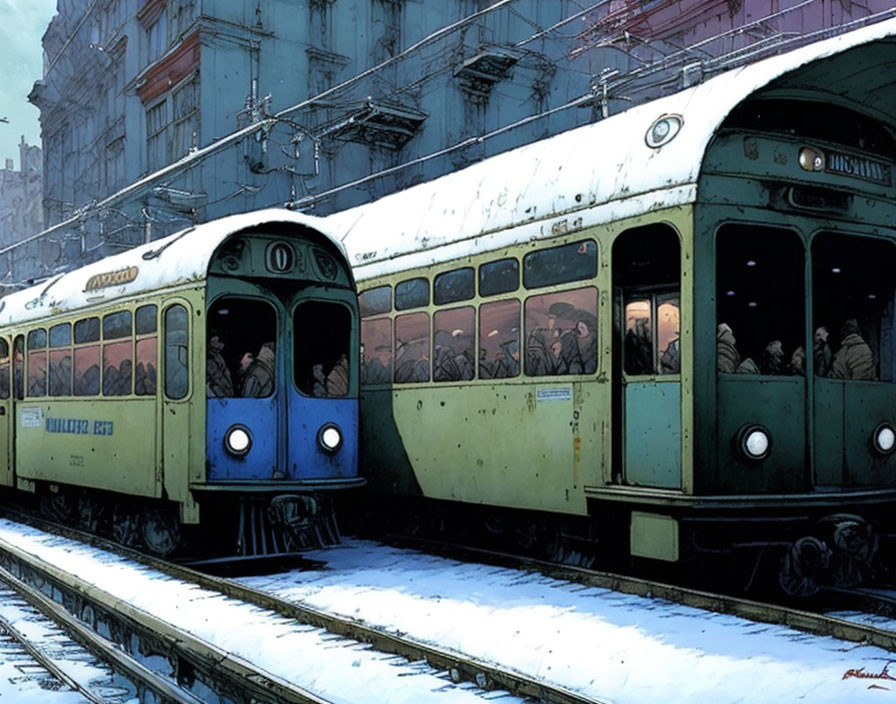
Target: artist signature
(860,673)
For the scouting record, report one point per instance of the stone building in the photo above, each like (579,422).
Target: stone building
(21,212)
(158,113)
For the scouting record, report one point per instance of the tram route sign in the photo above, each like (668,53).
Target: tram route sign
(857,167)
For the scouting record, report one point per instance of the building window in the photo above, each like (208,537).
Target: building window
(172,124)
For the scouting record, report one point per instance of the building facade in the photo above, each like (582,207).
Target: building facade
(21,212)
(159,113)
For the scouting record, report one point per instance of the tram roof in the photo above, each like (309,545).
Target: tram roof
(177,259)
(604,171)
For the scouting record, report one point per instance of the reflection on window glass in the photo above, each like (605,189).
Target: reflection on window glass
(561,333)
(37,363)
(638,348)
(453,358)
(60,372)
(760,326)
(499,339)
(18,362)
(61,335)
(375,301)
(376,352)
(413,293)
(411,348)
(118,367)
(502,276)
(87,330)
(117,325)
(453,286)
(87,370)
(321,362)
(852,307)
(145,319)
(668,317)
(177,352)
(569,262)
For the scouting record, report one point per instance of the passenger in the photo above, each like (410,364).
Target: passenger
(258,380)
(854,359)
(464,361)
(821,352)
(797,365)
(639,348)
(728,357)
(337,379)
(566,354)
(110,381)
(587,342)
(773,358)
(748,366)
(511,352)
(444,365)
(319,389)
(670,360)
(88,384)
(124,377)
(218,382)
(379,367)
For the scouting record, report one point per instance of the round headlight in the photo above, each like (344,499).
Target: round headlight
(884,438)
(754,442)
(329,437)
(237,440)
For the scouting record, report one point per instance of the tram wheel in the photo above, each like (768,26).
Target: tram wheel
(126,526)
(161,532)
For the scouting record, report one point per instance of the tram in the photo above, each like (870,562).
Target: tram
(187,384)
(668,335)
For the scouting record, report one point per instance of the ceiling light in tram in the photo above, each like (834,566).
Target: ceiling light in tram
(729,293)
(751,262)
(836,270)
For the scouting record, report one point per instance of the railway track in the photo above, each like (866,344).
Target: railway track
(218,670)
(64,654)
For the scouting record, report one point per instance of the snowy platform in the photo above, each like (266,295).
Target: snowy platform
(610,646)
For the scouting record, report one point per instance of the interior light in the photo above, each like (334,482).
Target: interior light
(751,262)
(753,304)
(729,293)
(836,270)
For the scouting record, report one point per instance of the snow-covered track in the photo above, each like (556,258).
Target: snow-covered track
(453,666)
(148,685)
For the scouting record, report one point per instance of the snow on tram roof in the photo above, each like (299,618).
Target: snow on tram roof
(178,258)
(598,172)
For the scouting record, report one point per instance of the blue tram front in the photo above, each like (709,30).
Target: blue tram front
(281,385)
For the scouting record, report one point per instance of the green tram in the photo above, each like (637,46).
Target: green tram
(669,333)
(184,384)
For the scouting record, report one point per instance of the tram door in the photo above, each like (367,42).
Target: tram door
(647,357)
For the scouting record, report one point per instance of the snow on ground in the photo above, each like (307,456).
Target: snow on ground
(615,647)
(337,669)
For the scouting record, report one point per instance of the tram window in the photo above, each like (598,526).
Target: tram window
(376,352)
(321,362)
(499,339)
(61,335)
(87,330)
(411,348)
(18,365)
(145,319)
(37,363)
(453,286)
(559,265)
(502,276)
(87,368)
(118,363)
(177,352)
(413,293)
(4,369)
(561,333)
(760,324)
(117,325)
(146,351)
(453,332)
(852,307)
(375,301)
(646,275)
(241,348)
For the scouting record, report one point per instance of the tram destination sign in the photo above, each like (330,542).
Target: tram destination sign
(857,167)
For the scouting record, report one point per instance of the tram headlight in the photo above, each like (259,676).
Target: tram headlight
(754,442)
(811,159)
(329,437)
(884,438)
(238,440)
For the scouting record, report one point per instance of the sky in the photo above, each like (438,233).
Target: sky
(22,24)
